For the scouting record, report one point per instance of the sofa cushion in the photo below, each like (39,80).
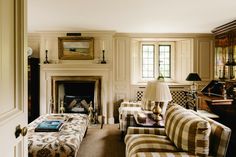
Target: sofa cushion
(188,131)
(148,143)
(164,154)
(219,138)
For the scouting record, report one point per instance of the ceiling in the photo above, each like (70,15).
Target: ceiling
(130,16)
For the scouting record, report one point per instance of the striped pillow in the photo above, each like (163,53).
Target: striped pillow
(187,131)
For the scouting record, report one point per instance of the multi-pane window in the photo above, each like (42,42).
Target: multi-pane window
(164,60)
(162,63)
(148,55)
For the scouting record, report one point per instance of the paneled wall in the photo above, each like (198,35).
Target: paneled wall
(204,58)
(193,53)
(121,68)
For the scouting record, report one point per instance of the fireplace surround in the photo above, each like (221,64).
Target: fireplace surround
(100,72)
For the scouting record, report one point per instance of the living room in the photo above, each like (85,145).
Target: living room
(117,33)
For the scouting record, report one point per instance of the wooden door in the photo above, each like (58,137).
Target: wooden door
(13,78)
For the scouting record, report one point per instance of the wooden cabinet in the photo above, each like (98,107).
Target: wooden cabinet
(225,51)
(33,89)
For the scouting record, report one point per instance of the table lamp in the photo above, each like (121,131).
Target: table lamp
(193,77)
(159,92)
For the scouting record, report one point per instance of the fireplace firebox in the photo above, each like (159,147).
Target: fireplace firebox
(76,93)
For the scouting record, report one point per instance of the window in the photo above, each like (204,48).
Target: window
(164,60)
(155,64)
(148,61)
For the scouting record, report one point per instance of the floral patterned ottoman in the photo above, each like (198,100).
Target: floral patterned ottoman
(64,143)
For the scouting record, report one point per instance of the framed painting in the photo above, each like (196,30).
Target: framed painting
(76,48)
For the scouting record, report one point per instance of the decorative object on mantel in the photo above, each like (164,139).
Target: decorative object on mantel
(75,48)
(103,57)
(29,51)
(46,58)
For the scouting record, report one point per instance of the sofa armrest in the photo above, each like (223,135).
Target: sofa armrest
(143,130)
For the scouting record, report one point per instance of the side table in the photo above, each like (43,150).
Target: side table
(146,120)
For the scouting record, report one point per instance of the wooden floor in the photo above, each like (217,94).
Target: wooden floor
(104,142)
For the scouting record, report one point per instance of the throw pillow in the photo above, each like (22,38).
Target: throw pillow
(187,131)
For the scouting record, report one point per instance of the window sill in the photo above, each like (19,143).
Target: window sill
(171,84)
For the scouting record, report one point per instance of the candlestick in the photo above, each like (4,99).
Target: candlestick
(46,58)
(103,57)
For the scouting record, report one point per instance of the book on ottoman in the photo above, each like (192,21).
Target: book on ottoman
(49,126)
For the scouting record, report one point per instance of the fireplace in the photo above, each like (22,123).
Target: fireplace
(51,75)
(74,94)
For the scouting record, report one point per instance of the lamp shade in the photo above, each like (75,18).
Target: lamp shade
(193,77)
(157,91)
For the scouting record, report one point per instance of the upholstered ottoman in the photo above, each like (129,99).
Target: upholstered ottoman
(63,143)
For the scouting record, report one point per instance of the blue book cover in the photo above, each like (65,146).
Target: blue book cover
(49,126)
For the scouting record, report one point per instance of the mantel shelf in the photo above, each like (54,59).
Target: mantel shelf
(74,66)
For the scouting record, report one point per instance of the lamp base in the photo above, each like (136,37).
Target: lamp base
(157,111)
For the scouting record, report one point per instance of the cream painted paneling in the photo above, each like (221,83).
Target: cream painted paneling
(205,58)
(184,59)
(121,57)
(121,70)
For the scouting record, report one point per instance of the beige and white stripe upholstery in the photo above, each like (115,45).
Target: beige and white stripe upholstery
(143,130)
(126,112)
(188,131)
(148,143)
(152,142)
(164,154)
(219,138)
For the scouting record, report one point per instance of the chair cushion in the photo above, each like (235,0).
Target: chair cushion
(188,131)
(136,143)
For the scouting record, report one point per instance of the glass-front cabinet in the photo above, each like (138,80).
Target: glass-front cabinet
(225,52)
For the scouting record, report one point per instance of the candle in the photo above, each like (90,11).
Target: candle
(46,45)
(103,45)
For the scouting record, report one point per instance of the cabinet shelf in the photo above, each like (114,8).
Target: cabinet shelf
(225,51)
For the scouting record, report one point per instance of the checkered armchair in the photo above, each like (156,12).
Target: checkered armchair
(126,112)
(186,133)
(129,108)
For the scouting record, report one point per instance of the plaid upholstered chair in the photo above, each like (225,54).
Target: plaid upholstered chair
(128,108)
(186,133)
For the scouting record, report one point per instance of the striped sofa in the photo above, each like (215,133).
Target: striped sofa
(186,134)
